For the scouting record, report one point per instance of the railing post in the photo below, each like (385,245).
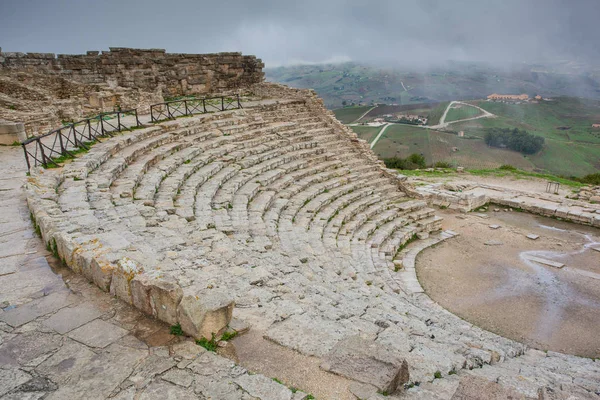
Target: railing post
(137,120)
(151,113)
(204,105)
(119,121)
(101,124)
(222,103)
(238,100)
(168,111)
(26,157)
(62,146)
(89,125)
(186,107)
(74,135)
(42,151)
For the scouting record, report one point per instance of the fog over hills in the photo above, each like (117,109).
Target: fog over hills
(364,84)
(391,33)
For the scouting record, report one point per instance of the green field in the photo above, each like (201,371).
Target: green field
(403,140)
(436,113)
(367,133)
(347,115)
(460,111)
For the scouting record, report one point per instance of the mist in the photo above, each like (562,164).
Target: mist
(386,33)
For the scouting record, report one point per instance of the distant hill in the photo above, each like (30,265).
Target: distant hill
(353,83)
(572,145)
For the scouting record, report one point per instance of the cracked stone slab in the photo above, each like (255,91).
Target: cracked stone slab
(179,377)
(103,374)
(67,319)
(12,378)
(63,364)
(166,391)
(263,388)
(97,333)
(28,348)
(26,313)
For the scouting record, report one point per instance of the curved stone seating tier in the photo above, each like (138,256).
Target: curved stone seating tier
(277,209)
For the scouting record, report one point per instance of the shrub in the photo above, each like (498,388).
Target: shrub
(413,161)
(591,179)
(417,159)
(507,167)
(442,164)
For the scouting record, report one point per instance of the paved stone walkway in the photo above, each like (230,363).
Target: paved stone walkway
(62,338)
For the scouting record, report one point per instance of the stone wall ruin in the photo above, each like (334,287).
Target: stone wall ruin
(146,69)
(43,90)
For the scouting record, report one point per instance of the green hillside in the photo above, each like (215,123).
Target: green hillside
(572,146)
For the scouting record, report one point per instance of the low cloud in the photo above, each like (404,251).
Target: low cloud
(414,32)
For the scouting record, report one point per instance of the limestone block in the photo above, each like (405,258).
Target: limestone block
(101,273)
(368,362)
(205,315)
(156,296)
(122,276)
(140,293)
(65,248)
(165,295)
(11,132)
(82,261)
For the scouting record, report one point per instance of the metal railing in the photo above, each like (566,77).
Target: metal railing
(45,149)
(185,107)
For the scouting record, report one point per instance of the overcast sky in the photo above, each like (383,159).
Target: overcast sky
(421,32)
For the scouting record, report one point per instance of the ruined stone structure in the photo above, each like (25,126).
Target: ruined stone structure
(43,90)
(174,74)
(278,215)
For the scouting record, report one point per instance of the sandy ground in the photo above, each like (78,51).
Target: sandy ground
(495,287)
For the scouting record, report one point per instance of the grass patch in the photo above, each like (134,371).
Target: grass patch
(462,112)
(437,375)
(229,335)
(36,227)
(435,114)
(57,161)
(210,345)
(176,330)
(348,115)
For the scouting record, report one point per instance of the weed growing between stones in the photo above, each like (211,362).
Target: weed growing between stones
(210,345)
(437,375)
(176,330)
(36,227)
(227,336)
(403,245)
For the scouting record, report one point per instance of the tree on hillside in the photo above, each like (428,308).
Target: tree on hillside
(514,139)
